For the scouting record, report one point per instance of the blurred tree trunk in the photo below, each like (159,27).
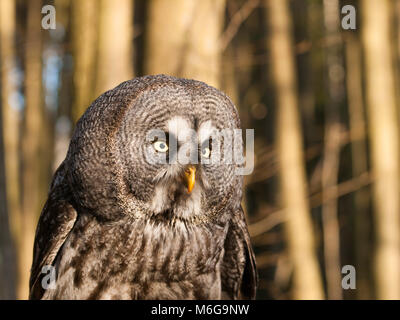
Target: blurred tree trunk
(309,70)
(31,143)
(300,241)
(228,80)
(84,44)
(396,48)
(330,165)
(10,114)
(183,38)
(7,253)
(228,84)
(115,58)
(384,135)
(63,125)
(359,161)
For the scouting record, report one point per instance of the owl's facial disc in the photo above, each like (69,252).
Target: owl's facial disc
(178,192)
(185,147)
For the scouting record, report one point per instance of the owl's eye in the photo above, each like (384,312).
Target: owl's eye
(160,146)
(205,152)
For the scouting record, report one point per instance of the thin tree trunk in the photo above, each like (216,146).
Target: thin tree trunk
(384,135)
(7,253)
(31,142)
(115,59)
(330,165)
(359,161)
(10,113)
(331,235)
(84,43)
(300,240)
(307,96)
(183,38)
(63,125)
(396,48)
(228,75)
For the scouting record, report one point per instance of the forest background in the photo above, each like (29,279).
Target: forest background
(318,85)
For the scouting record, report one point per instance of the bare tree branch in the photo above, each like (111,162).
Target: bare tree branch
(239,17)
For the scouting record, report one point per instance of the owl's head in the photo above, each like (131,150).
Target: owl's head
(158,146)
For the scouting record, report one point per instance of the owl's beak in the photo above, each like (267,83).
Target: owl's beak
(190,178)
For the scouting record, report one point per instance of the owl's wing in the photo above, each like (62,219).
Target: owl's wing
(238,273)
(55,223)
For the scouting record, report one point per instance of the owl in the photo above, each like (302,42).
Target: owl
(139,209)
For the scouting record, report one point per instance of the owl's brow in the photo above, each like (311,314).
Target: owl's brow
(207,143)
(167,137)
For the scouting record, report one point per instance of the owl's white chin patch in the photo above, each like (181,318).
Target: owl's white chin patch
(174,196)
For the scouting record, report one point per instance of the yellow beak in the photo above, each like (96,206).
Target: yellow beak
(190,178)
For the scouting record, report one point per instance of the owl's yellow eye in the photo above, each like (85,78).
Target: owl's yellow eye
(206,152)
(160,146)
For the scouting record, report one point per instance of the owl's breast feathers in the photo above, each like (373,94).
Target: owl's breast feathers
(138,259)
(134,259)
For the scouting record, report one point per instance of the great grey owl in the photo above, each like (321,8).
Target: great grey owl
(118,225)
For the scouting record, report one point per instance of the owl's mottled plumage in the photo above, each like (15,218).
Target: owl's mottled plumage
(118,227)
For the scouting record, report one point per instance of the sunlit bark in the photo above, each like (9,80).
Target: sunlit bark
(183,38)
(359,161)
(10,113)
(115,59)
(31,143)
(293,186)
(84,43)
(384,138)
